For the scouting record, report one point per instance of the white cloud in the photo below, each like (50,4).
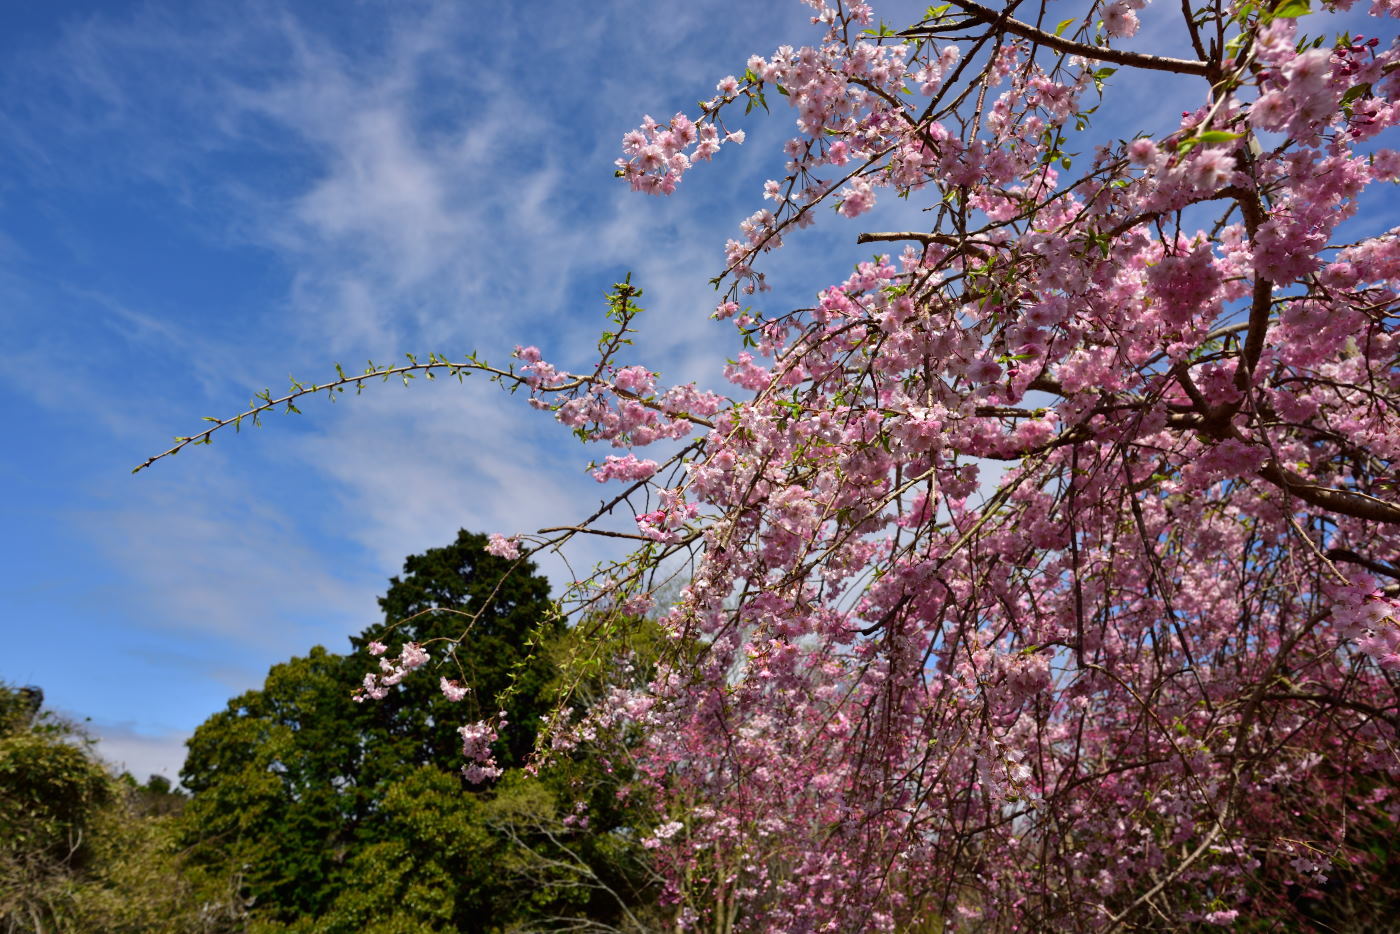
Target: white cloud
(126,747)
(201,551)
(411,467)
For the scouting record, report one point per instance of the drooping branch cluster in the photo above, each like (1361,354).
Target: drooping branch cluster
(1145,665)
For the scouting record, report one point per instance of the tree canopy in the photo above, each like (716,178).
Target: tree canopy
(83,850)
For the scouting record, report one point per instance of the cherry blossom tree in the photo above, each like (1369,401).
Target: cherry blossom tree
(1043,573)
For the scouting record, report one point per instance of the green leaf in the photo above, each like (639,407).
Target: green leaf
(1209,136)
(1352,95)
(1355,93)
(1290,9)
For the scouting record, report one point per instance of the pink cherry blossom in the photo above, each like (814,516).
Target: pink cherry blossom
(502,547)
(452,690)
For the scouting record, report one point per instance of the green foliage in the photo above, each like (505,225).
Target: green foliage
(138,882)
(53,789)
(21,710)
(82,851)
(348,817)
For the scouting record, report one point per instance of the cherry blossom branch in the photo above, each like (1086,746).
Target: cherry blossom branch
(1352,503)
(1001,20)
(1332,700)
(1346,554)
(1116,921)
(606,533)
(947,240)
(407,371)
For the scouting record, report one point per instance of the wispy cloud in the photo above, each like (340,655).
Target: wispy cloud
(320,186)
(209,553)
(126,747)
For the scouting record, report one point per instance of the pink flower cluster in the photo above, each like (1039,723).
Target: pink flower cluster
(1369,617)
(664,524)
(627,467)
(656,154)
(453,690)
(391,671)
(503,547)
(476,748)
(1016,584)
(1301,91)
(626,410)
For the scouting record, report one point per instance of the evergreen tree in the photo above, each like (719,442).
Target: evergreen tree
(354,816)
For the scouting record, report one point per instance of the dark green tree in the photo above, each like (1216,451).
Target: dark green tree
(444,593)
(346,816)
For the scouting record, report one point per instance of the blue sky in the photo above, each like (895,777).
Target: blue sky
(202,198)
